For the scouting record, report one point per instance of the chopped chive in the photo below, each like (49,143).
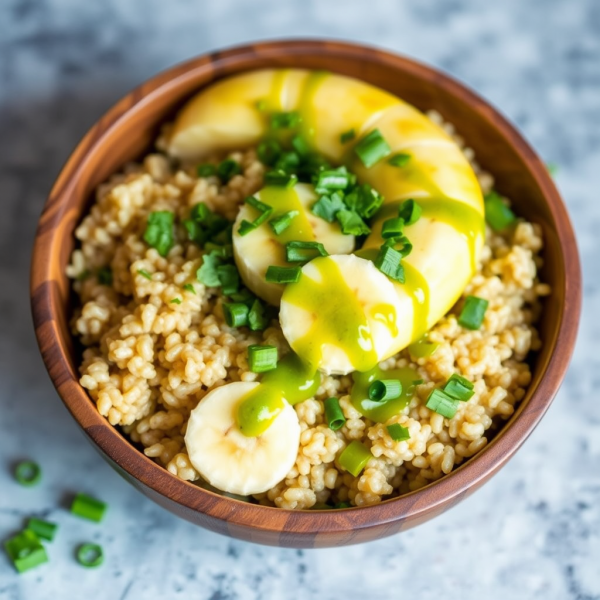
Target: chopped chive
(333,414)
(282,222)
(28,473)
(188,287)
(388,262)
(25,551)
(43,529)
(228,169)
(175,301)
(418,381)
(90,555)
(498,215)
(207,273)
(402,241)
(83,275)
(364,200)
(355,457)
(258,318)
(342,505)
(442,404)
(332,180)
(398,433)
(288,162)
(105,276)
(372,148)
(159,231)
(206,170)
(283,274)
(220,250)
(235,313)
(87,507)
(298,251)
(285,120)
(382,390)
(351,223)
(392,228)
(262,358)
(261,207)
(229,278)
(246,227)
(145,274)
(409,212)
(327,207)
(473,312)
(268,152)
(423,348)
(261,104)
(300,145)
(347,136)
(245,296)
(459,388)
(399,160)
(279,178)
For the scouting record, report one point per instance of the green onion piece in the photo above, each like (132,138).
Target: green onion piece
(228,169)
(497,213)
(28,473)
(43,529)
(282,222)
(327,207)
(90,555)
(159,231)
(261,207)
(382,390)
(175,301)
(268,152)
(409,212)
(229,278)
(285,120)
(343,505)
(280,178)
(206,170)
(388,262)
(398,433)
(471,316)
(235,313)
(245,296)
(418,381)
(347,136)
(145,274)
(442,404)
(246,227)
(402,241)
(188,287)
(105,276)
(83,275)
(283,274)
(351,223)
(288,162)
(364,200)
(332,180)
(258,318)
(261,104)
(423,348)
(25,551)
(300,145)
(298,251)
(333,414)
(207,273)
(392,228)
(372,148)
(220,250)
(262,358)
(87,507)
(355,457)
(399,160)
(459,388)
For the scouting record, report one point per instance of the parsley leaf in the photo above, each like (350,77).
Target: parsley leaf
(327,207)
(159,231)
(207,273)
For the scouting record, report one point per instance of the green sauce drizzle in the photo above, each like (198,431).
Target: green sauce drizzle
(259,409)
(293,378)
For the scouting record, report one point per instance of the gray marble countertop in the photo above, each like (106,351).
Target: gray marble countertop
(532,532)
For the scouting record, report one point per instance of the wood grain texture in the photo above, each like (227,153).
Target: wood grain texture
(128,130)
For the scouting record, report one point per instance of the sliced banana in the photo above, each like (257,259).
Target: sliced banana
(229,460)
(342,316)
(262,247)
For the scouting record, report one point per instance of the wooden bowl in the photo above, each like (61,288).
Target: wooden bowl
(126,132)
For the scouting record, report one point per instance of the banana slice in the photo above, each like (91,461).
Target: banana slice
(262,247)
(229,460)
(342,316)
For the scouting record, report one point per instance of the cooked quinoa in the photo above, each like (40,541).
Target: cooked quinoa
(154,349)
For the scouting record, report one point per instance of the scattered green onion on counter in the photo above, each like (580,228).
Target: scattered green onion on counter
(90,555)
(88,508)
(25,551)
(43,529)
(28,473)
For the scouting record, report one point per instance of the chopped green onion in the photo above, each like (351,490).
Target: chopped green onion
(418,382)
(410,212)
(83,275)
(392,228)
(268,152)
(220,250)
(175,301)
(265,211)
(347,136)
(388,262)
(105,276)
(28,473)
(399,160)
(206,170)
(283,274)
(332,180)
(25,551)
(298,251)
(327,207)
(90,555)
(372,148)
(188,287)
(258,318)
(229,278)
(159,231)
(280,178)
(473,312)
(398,433)
(423,348)
(497,213)
(261,104)
(285,120)
(343,505)
(235,313)
(43,529)
(459,388)
(207,273)
(333,414)
(245,296)
(406,246)
(300,145)
(364,200)
(382,390)
(351,223)
(262,358)
(288,162)
(282,222)
(87,507)
(442,404)
(246,227)
(145,274)
(355,457)
(228,169)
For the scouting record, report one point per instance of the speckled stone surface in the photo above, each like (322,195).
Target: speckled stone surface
(532,532)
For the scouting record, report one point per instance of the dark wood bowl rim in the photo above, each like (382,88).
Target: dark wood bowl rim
(410,506)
